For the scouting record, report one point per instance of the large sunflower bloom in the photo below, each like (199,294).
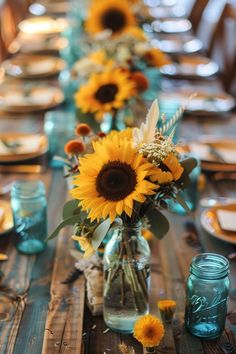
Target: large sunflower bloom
(169,170)
(105,92)
(148,330)
(113,15)
(111,179)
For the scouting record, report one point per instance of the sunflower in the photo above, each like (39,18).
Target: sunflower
(155,57)
(148,330)
(105,92)
(113,15)
(111,179)
(170,169)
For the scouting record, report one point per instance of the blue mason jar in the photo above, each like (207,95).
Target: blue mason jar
(207,294)
(29,205)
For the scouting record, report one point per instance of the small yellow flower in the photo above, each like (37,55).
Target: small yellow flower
(167,309)
(148,330)
(85,244)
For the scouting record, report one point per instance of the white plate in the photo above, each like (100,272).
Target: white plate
(191,67)
(173,44)
(43,25)
(29,97)
(210,223)
(17,147)
(33,66)
(171,25)
(161,12)
(203,104)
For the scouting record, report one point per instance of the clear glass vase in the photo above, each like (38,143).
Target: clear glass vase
(127,278)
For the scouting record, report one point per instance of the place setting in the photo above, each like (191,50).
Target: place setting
(32,66)
(194,67)
(202,103)
(24,96)
(174,44)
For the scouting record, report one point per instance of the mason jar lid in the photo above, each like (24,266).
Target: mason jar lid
(28,189)
(210,266)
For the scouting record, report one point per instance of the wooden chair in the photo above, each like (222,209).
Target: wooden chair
(221,43)
(196,13)
(11,13)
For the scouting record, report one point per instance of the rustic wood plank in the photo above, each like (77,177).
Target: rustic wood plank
(64,323)
(31,330)
(175,289)
(15,284)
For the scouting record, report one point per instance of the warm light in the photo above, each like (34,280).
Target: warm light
(43,25)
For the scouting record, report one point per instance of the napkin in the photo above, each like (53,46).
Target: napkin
(227,219)
(27,144)
(203,152)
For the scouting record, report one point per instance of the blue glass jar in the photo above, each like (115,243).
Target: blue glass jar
(207,294)
(29,205)
(59,127)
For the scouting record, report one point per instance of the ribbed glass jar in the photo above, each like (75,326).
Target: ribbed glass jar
(127,278)
(207,294)
(29,205)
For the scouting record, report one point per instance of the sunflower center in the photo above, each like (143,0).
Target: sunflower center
(106,93)
(163,167)
(115,181)
(114,19)
(149,332)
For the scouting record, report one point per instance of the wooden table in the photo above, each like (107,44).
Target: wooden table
(38,314)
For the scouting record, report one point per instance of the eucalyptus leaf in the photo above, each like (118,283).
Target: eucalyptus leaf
(189,164)
(182,203)
(159,223)
(89,119)
(99,233)
(70,208)
(69,221)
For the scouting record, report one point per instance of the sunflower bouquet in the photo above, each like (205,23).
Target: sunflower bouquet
(103,95)
(113,16)
(126,178)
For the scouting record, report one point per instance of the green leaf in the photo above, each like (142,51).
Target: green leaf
(182,203)
(70,208)
(69,221)
(159,223)
(189,164)
(89,119)
(100,232)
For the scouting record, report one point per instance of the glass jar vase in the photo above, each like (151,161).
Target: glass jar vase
(207,293)
(127,278)
(29,206)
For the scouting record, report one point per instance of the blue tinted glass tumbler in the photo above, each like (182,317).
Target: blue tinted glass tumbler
(29,205)
(207,294)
